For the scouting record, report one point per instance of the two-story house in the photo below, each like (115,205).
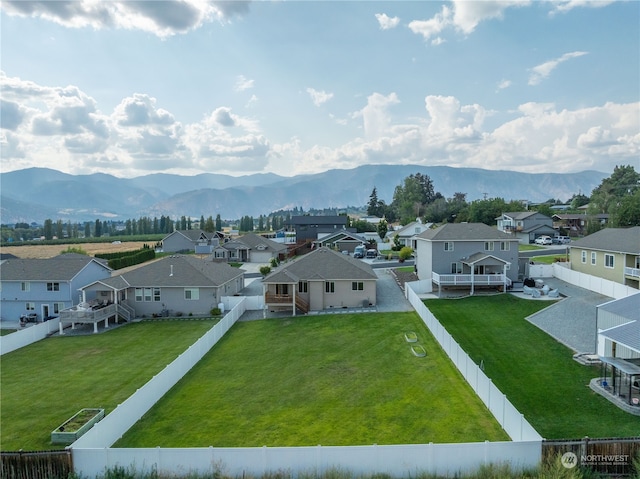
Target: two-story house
(467,255)
(45,287)
(310,228)
(526,226)
(611,253)
(322,279)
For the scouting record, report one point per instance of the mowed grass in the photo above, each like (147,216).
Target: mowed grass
(344,379)
(537,373)
(47,382)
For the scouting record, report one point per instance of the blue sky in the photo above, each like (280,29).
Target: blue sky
(134,88)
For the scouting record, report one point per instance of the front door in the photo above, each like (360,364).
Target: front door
(45,311)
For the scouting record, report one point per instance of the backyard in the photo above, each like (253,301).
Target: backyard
(536,372)
(344,379)
(47,382)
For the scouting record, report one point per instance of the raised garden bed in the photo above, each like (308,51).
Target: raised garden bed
(74,427)
(411,337)
(419,351)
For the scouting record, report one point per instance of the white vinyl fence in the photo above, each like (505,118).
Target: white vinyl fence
(511,420)
(592,283)
(28,335)
(125,415)
(92,454)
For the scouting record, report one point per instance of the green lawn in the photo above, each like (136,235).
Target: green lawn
(528,247)
(549,259)
(47,382)
(343,379)
(4,332)
(537,373)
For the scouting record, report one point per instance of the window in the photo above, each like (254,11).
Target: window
(488,245)
(147,294)
(282,289)
(448,245)
(593,258)
(192,294)
(456,268)
(156,294)
(57,307)
(583,257)
(329,287)
(25,286)
(53,286)
(303,287)
(30,306)
(505,245)
(608,261)
(139,294)
(357,286)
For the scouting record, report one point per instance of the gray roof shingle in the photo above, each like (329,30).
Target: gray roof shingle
(619,240)
(322,264)
(63,267)
(465,232)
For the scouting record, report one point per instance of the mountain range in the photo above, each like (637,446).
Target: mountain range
(36,194)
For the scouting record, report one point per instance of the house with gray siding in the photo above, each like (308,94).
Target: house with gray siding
(320,280)
(611,253)
(310,228)
(526,226)
(176,285)
(45,287)
(341,241)
(467,256)
(250,248)
(408,233)
(186,241)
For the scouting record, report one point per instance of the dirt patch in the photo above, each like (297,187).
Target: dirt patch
(42,251)
(404,277)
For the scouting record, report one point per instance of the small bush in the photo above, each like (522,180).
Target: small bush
(265,270)
(215,312)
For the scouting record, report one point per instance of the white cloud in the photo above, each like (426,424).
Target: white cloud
(563,6)
(386,22)
(243,83)
(375,116)
(319,96)
(542,71)
(162,18)
(504,84)
(433,27)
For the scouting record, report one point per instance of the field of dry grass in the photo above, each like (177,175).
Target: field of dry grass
(49,251)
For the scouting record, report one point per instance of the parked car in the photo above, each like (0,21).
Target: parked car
(543,240)
(359,251)
(561,240)
(372,253)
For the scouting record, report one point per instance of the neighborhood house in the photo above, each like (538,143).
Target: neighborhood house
(466,255)
(526,226)
(322,279)
(40,288)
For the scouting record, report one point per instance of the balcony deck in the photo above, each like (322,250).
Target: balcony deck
(470,279)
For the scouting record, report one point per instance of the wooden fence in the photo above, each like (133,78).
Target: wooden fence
(35,464)
(611,457)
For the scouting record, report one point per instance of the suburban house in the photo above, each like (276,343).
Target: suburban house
(341,241)
(198,241)
(177,285)
(611,253)
(322,279)
(526,225)
(310,228)
(44,287)
(466,255)
(407,234)
(618,328)
(250,248)
(576,223)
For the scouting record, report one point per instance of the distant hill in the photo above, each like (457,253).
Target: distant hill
(36,194)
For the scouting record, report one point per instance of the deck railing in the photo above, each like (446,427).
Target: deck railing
(633,272)
(468,279)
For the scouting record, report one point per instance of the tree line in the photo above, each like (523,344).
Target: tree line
(617,195)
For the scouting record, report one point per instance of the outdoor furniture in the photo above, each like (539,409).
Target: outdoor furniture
(527,290)
(553,293)
(535,293)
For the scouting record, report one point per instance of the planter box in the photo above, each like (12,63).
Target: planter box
(74,427)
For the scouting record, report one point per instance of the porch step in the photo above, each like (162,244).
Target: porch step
(517,287)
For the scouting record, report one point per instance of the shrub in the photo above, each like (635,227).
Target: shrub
(265,270)
(405,253)
(215,312)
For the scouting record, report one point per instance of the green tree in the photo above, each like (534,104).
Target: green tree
(383,227)
(48,229)
(486,211)
(375,207)
(627,213)
(410,198)
(405,253)
(209,225)
(218,222)
(623,182)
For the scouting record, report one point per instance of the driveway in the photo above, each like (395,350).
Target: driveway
(571,321)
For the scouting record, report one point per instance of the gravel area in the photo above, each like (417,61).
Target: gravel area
(571,321)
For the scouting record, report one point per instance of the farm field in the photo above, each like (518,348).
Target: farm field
(47,382)
(343,379)
(42,251)
(536,372)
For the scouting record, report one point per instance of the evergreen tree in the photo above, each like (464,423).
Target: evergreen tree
(209,225)
(48,229)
